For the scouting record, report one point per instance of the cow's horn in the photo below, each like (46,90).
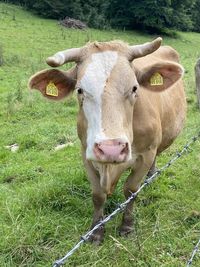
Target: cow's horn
(136,51)
(62,57)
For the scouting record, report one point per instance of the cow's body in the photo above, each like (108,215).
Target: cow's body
(162,114)
(157,119)
(150,124)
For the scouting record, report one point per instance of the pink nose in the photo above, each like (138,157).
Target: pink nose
(114,150)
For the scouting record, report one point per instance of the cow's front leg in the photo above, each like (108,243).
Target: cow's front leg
(98,198)
(153,169)
(132,184)
(98,202)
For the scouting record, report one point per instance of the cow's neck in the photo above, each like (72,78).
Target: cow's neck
(109,173)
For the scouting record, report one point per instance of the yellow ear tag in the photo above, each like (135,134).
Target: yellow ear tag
(51,89)
(156,79)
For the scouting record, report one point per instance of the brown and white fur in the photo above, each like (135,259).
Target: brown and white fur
(124,121)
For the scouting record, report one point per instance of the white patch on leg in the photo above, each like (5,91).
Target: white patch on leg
(94,81)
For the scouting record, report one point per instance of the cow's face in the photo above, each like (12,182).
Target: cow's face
(107,87)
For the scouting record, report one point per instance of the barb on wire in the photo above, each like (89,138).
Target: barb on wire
(196,248)
(122,206)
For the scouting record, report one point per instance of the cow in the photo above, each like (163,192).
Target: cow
(132,106)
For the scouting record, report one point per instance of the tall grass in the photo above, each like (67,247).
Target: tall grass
(45,199)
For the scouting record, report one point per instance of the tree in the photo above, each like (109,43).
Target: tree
(150,15)
(196,16)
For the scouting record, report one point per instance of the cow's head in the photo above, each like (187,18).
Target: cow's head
(107,86)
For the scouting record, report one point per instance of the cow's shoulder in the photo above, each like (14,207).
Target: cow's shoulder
(166,53)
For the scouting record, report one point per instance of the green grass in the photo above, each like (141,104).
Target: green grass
(45,199)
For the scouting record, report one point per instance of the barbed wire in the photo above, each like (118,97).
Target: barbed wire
(196,248)
(123,205)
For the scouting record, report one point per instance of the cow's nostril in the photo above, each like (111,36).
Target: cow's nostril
(98,147)
(101,151)
(111,150)
(125,148)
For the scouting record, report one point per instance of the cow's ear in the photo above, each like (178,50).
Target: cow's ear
(160,76)
(54,84)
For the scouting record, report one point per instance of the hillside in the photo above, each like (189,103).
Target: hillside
(45,199)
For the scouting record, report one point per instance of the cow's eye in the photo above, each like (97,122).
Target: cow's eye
(80,91)
(134,89)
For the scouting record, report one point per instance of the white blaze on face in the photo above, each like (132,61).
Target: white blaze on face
(94,81)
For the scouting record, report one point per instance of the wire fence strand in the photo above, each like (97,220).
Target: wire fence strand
(123,205)
(196,248)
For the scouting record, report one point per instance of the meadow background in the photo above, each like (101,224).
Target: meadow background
(45,198)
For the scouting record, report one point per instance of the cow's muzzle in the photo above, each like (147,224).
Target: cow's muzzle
(112,151)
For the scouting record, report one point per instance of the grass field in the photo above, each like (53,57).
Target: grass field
(45,199)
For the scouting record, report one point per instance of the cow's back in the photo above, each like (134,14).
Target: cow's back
(158,117)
